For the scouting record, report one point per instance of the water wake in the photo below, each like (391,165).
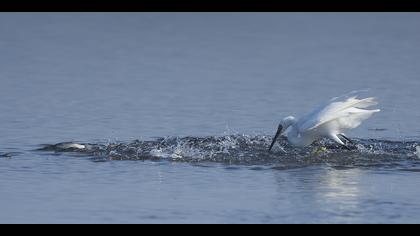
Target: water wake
(246,149)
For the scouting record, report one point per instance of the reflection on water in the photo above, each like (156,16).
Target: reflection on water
(339,186)
(341,192)
(325,195)
(350,195)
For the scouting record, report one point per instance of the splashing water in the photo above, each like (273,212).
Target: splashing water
(417,151)
(245,149)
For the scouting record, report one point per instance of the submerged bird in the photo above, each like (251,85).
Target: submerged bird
(330,120)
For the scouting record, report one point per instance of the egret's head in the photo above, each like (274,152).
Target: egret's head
(287,121)
(284,124)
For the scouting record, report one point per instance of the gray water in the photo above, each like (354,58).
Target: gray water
(176,111)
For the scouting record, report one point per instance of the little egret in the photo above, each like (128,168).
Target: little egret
(330,120)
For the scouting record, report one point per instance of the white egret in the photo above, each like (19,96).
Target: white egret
(330,120)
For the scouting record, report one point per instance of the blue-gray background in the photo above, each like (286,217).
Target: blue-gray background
(124,76)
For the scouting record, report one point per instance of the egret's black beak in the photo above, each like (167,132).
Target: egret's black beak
(279,129)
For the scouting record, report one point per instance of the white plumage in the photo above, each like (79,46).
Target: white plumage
(331,119)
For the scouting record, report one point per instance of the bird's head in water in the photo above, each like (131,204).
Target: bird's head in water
(284,124)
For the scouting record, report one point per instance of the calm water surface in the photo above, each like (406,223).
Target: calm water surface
(179,108)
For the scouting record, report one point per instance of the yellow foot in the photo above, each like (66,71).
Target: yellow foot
(320,150)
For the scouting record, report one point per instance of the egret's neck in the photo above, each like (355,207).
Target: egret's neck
(297,139)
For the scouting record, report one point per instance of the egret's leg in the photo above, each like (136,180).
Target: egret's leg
(338,140)
(346,147)
(346,138)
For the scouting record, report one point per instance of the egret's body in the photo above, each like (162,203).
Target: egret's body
(329,120)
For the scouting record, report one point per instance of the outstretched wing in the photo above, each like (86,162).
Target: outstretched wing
(345,112)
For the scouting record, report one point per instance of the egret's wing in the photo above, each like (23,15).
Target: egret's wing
(347,110)
(312,118)
(349,119)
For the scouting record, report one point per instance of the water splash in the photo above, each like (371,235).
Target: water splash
(417,151)
(246,149)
